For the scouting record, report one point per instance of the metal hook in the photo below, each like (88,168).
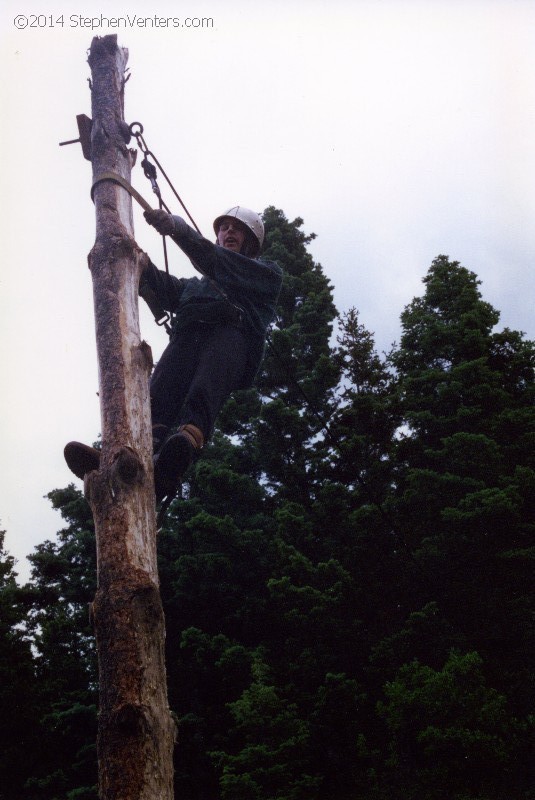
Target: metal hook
(132,131)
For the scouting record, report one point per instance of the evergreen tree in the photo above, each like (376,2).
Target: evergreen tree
(299,375)
(464,503)
(320,449)
(346,578)
(18,688)
(466,476)
(265,457)
(59,597)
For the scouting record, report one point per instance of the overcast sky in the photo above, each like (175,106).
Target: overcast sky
(398,130)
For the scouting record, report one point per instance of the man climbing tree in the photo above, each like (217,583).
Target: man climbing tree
(217,338)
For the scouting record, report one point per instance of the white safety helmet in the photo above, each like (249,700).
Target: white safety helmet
(250,219)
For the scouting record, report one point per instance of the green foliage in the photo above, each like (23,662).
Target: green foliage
(449,731)
(465,477)
(18,691)
(347,581)
(273,741)
(63,585)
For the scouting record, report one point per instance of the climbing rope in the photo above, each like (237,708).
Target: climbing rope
(149,170)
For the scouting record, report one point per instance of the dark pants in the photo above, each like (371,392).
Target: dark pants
(198,370)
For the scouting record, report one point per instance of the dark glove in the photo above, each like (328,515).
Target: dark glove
(161,220)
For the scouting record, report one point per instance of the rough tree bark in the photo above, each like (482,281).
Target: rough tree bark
(136,730)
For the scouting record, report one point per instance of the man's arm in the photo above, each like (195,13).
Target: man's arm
(200,251)
(232,271)
(167,288)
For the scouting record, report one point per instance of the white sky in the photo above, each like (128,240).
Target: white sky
(398,130)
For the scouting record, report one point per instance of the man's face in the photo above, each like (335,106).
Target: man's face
(231,234)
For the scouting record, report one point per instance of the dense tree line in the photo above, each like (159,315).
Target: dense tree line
(347,579)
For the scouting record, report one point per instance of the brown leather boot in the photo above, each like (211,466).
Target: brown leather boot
(81,458)
(174,458)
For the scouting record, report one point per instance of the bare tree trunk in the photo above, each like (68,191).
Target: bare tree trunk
(136,731)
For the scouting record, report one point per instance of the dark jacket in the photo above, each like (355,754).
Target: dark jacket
(229,281)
